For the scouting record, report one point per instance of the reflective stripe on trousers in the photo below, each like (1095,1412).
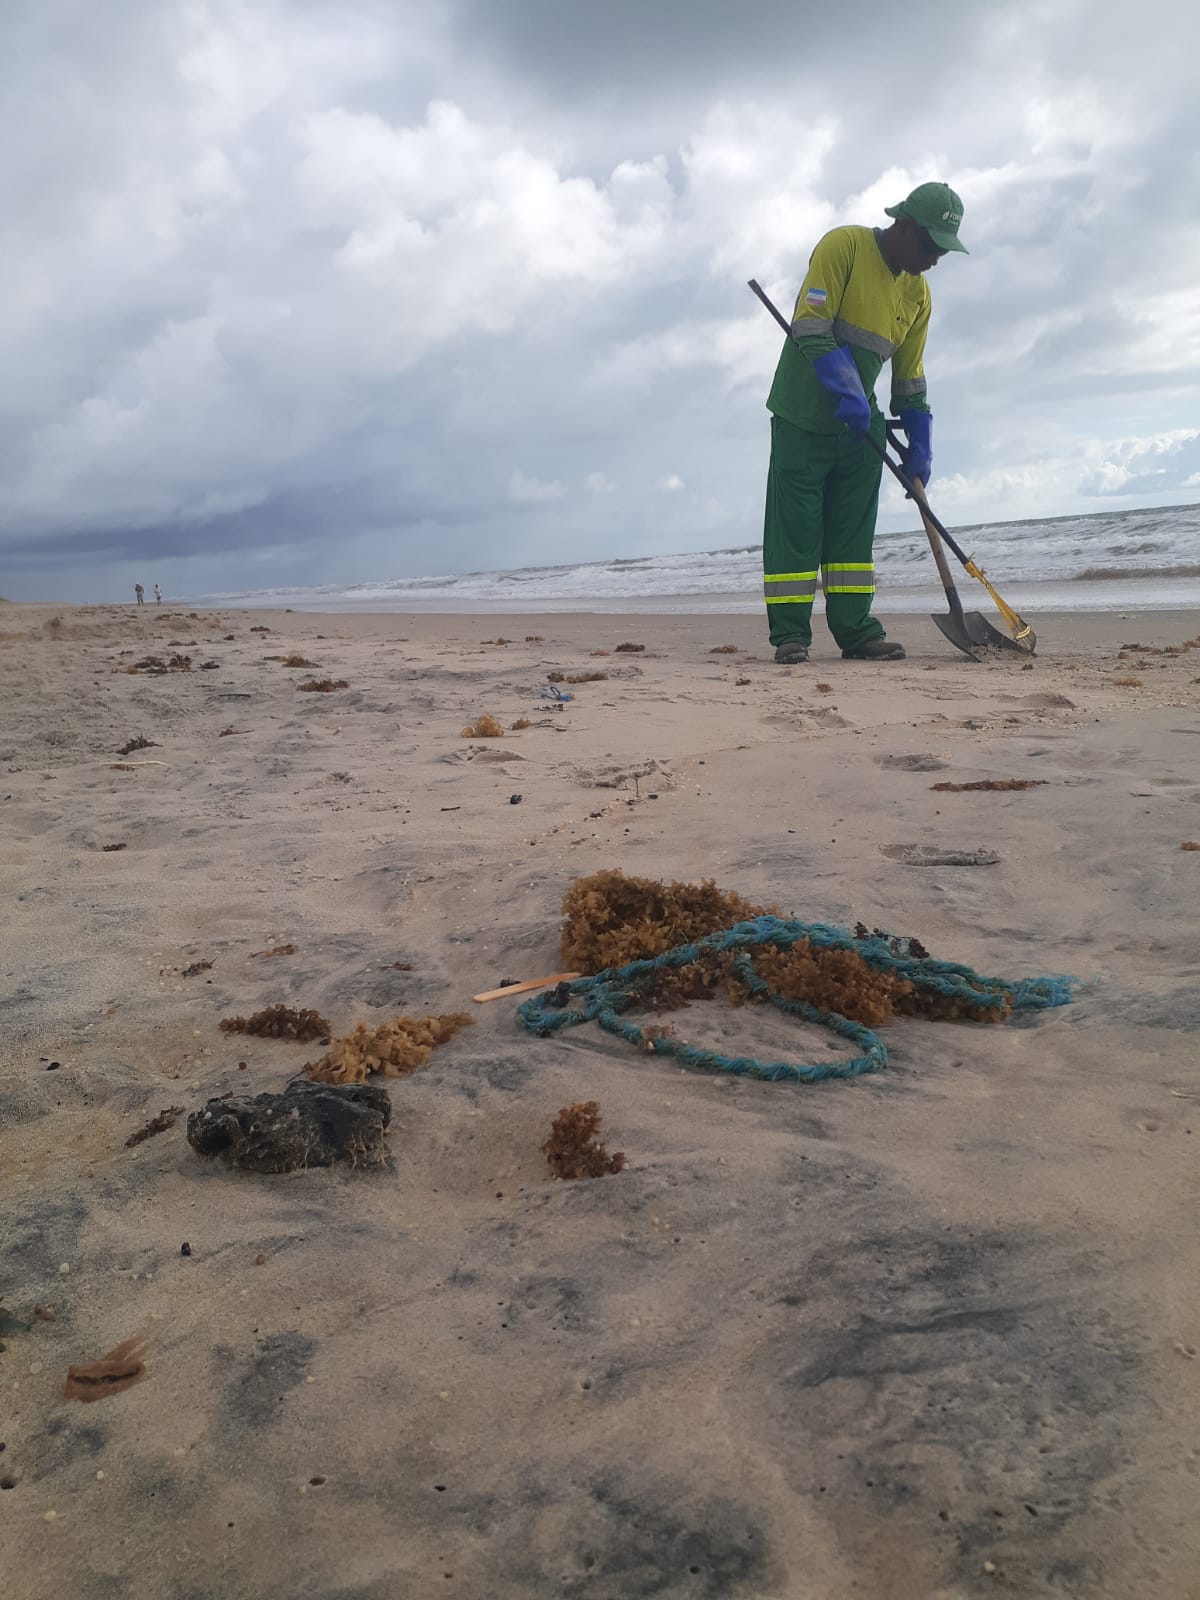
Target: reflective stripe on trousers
(848,577)
(790,588)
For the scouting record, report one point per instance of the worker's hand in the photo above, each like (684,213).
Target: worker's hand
(853,410)
(917,456)
(839,375)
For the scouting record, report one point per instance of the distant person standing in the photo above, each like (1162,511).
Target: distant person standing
(157,595)
(141,594)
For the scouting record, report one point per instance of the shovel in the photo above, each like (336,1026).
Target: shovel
(968,631)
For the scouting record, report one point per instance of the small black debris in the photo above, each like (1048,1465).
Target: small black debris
(514,799)
(54,1066)
(185,1249)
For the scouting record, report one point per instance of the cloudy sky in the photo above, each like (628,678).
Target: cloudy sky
(306,292)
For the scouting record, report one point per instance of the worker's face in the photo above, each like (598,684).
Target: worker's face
(918,248)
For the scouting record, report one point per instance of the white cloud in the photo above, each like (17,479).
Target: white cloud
(525,491)
(671,483)
(598,483)
(1070,475)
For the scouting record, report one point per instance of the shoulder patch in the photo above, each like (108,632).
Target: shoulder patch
(815,298)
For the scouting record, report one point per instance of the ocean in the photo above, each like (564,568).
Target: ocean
(1107,561)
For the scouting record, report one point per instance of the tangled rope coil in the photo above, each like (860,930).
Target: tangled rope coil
(606,995)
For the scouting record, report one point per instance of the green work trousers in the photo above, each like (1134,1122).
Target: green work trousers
(822,497)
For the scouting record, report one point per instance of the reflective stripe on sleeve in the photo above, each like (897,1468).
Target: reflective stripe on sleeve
(811,327)
(847,333)
(790,588)
(848,577)
(907,386)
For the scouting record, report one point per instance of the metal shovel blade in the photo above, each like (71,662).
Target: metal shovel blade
(981,632)
(971,632)
(954,627)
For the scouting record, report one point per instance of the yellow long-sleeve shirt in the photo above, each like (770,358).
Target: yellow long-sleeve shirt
(850,296)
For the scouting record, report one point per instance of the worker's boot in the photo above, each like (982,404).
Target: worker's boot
(876,650)
(791,653)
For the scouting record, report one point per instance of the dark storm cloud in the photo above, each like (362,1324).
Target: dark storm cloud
(704,47)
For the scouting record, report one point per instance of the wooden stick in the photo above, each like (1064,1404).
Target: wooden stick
(520,988)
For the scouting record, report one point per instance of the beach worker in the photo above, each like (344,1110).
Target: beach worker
(863,302)
(141,594)
(157,595)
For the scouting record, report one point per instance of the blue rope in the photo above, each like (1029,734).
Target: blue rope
(604,997)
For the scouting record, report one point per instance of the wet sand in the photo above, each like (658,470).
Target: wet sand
(932,1332)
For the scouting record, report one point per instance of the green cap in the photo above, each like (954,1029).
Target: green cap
(936,208)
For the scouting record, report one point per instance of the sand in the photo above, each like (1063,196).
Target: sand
(932,1332)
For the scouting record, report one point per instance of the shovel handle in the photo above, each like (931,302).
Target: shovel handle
(916,491)
(915,488)
(939,553)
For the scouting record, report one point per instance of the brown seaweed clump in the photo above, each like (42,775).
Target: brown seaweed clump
(832,980)
(1190,844)
(392,1050)
(573,1150)
(520,723)
(294,661)
(484,727)
(630,649)
(612,920)
(280,1022)
(724,650)
(322,685)
(120,1369)
(586,677)
(1004,784)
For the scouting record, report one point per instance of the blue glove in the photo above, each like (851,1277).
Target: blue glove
(917,458)
(839,375)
